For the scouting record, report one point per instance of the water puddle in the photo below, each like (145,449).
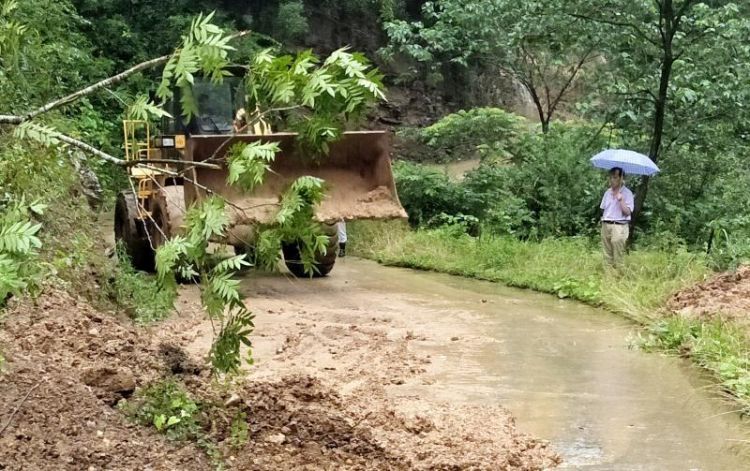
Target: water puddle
(566,371)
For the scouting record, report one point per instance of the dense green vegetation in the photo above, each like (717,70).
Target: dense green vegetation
(545,187)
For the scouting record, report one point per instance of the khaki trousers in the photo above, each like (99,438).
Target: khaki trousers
(614,239)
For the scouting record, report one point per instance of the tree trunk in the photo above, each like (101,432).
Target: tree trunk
(660,107)
(543,118)
(545,124)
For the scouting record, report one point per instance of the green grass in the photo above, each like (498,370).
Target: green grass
(718,346)
(572,268)
(568,268)
(139,294)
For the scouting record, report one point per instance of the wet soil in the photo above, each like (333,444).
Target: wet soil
(725,294)
(353,354)
(66,366)
(318,398)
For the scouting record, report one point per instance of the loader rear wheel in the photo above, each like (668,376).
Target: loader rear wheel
(323,262)
(130,232)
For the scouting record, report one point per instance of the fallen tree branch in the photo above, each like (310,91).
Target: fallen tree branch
(131,163)
(89,149)
(18,407)
(18,119)
(125,163)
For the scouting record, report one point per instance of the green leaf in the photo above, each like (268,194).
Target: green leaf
(249,163)
(159,421)
(173,421)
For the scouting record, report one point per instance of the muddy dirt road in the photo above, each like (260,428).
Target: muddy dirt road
(419,340)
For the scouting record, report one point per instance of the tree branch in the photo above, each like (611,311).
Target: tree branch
(632,26)
(89,149)
(131,163)
(18,119)
(101,84)
(569,82)
(10,119)
(634,96)
(15,411)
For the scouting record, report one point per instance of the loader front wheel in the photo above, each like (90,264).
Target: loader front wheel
(323,261)
(168,214)
(131,233)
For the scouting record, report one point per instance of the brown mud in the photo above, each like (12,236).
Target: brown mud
(318,398)
(726,295)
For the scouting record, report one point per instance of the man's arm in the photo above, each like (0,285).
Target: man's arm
(626,203)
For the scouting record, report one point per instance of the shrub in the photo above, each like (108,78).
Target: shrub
(551,191)
(426,194)
(18,244)
(137,293)
(167,407)
(291,22)
(555,181)
(491,134)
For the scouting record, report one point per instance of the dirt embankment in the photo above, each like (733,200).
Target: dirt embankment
(725,294)
(317,400)
(67,365)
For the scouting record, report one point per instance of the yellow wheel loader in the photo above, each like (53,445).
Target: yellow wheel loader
(357,172)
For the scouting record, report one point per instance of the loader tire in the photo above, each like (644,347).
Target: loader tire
(168,214)
(323,261)
(167,220)
(131,233)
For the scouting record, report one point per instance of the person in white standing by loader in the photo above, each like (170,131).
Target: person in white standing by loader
(341,229)
(617,204)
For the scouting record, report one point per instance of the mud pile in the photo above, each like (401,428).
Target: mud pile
(67,365)
(726,294)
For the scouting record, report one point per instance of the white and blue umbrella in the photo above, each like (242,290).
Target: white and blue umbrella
(632,163)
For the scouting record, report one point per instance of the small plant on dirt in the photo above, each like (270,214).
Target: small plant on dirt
(238,434)
(170,409)
(139,294)
(167,407)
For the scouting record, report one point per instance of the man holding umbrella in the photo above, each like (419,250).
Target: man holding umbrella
(618,202)
(617,205)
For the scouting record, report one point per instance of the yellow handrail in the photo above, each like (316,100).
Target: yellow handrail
(135,148)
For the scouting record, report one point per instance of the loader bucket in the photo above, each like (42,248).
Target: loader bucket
(357,172)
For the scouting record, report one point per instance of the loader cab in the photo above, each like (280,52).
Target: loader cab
(216,105)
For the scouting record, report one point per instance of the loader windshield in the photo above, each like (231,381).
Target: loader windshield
(215,104)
